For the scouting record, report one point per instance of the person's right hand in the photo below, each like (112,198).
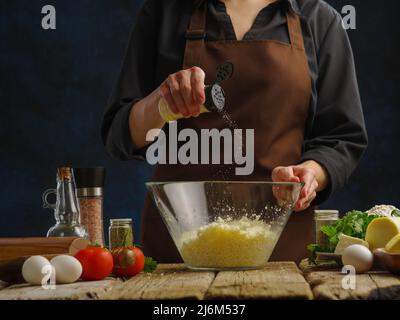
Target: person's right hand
(299,173)
(184,91)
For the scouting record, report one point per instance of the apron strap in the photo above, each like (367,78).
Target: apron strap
(195,36)
(294,28)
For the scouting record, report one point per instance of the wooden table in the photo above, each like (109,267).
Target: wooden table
(326,284)
(278,280)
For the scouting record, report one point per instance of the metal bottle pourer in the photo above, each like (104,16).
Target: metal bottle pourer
(215,95)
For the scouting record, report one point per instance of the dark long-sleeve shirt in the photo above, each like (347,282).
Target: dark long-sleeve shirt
(335,131)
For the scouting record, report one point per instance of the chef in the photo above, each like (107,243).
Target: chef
(294,83)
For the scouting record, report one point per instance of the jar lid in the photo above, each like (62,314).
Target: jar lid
(120,221)
(89,177)
(326,214)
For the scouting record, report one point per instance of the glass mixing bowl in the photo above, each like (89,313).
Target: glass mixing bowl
(221,225)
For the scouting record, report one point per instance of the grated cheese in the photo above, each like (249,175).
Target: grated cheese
(229,243)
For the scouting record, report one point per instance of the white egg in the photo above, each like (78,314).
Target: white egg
(358,256)
(35,268)
(68,269)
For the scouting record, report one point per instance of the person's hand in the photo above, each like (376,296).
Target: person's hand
(184,91)
(299,174)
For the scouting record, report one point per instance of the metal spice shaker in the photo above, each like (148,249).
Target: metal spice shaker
(215,95)
(323,218)
(215,101)
(89,190)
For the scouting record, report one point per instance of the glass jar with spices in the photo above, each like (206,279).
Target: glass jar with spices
(120,233)
(89,190)
(324,218)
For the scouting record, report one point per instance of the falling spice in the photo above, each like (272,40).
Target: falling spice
(92,218)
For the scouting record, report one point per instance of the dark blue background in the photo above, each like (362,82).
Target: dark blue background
(54,86)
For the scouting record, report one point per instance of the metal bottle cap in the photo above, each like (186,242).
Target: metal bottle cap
(215,98)
(215,95)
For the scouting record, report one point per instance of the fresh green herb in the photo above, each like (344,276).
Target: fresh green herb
(313,248)
(149,265)
(395,213)
(354,224)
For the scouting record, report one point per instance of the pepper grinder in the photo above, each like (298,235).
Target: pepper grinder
(89,190)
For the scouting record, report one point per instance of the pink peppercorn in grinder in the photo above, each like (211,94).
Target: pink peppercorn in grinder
(89,191)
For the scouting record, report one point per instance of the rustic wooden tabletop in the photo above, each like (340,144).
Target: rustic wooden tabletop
(326,283)
(278,280)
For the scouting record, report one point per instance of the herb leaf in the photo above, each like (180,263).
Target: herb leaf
(395,213)
(149,265)
(313,249)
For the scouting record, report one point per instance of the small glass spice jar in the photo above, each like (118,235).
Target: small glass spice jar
(89,190)
(120,233)
(324,218)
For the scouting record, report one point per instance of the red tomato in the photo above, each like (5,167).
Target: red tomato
(97,263)
(128,262)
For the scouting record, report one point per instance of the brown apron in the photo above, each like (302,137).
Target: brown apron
(269,92)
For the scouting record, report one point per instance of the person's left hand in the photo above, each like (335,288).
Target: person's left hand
(299,174)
